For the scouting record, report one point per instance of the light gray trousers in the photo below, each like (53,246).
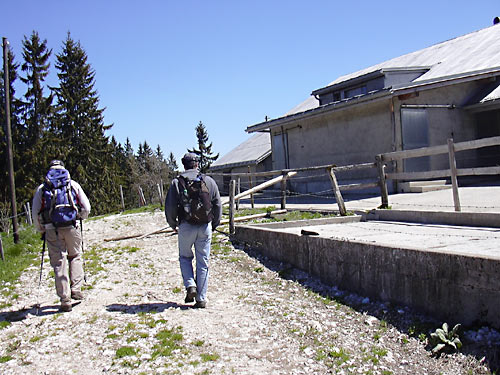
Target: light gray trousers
(65,253)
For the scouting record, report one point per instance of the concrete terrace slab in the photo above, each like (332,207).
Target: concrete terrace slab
(449,271)
(468,241)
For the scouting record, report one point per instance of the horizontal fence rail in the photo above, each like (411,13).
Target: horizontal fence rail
(451,148)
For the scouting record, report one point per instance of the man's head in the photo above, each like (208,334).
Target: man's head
(190,161)
(56,164)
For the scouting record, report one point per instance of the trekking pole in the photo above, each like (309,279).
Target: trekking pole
(41,272)
(83,252)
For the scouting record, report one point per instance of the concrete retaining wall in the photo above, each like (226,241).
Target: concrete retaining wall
(452,288)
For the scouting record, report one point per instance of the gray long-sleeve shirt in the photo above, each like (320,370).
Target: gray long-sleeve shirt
(172,200)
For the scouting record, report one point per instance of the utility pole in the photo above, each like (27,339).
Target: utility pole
(10,158)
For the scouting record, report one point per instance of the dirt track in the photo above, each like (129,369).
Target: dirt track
(261,318)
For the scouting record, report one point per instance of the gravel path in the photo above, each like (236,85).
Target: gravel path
(261,318)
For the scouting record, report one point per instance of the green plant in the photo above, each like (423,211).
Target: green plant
(340,356)
(206,357)
(168,341)
(18,257)
(124,351)
(444,340)
(5,358)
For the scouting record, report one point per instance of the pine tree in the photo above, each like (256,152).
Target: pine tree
(172,163)
(172,168)
(37,109)
(204,150)
(80,127)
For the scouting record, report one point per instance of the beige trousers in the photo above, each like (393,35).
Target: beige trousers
(65,253)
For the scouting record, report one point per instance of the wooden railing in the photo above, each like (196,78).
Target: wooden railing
(450,149)
(380,163)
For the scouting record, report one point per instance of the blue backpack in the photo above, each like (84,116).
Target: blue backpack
(58,199)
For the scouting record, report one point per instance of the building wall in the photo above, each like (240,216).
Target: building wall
(444,123)
(358,133)
(349,136)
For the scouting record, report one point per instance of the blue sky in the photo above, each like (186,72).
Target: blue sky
(163,66)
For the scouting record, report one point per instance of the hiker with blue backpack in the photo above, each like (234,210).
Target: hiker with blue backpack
(193,208)
(58,207)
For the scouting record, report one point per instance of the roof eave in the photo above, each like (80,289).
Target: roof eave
(396,90)
(281,121)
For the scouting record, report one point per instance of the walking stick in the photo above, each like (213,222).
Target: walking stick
(41,272)
(83,252)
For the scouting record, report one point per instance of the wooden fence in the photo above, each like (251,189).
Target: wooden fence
(451,149)
(380,164)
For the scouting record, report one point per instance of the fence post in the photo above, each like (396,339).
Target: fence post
(121,196)
(159,194)
(283,190)
(1,249)
(382,181)
(453,170)
(161,191)
(28,213)
(336,191)
(141,197)
(238,190)
(231,206)
(252,202)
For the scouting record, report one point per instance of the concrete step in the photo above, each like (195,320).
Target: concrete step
(423,186)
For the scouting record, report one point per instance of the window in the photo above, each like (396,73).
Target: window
(361,90)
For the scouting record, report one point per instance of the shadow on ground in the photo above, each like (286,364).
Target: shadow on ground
(21,314)
(145,307)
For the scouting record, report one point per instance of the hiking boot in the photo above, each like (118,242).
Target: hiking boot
(200,304)
(77,295)
(66,306)
(191,294)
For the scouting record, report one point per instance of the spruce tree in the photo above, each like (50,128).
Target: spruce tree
(37,109)
(80,127)
(172,168)
(204,150)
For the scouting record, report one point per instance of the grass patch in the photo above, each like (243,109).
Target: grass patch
(5,358)
(125,351)
(209,357)
(131,249)
(199,343)
(93,260)
(168,341)
(176,290)
(4,324)
(339,356)
(18,257)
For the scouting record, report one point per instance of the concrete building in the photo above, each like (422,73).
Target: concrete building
(253,155)
(448,90)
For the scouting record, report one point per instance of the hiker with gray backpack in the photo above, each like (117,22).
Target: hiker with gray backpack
(193,208)
(58,207)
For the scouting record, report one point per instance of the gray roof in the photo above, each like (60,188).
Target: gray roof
(254,150)
(468,55)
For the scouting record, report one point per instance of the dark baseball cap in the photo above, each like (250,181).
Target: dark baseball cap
(56,163)
(190,156)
